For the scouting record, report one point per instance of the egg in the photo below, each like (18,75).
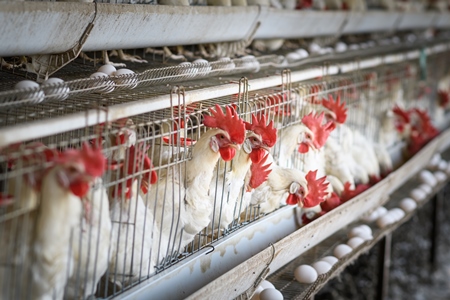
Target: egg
(102,84)
(408,204)
(302,52)
(342,250)
(354,47)
(364,45)
(330,259)
(248,62)
(442,166)
(385,221)
(55,89)
(397,213)
(186,69)
(356,231)
(371,217)
(202,66)
(428,178)
(365,228)
(440,176)
(329,50)
(128,80)
(418,195)
(266,285)
(107,69)
(36,95)
(355,242)
(321,267)
(425,188)
(314,48)
(434,161)
(381,210)
(271,294)
(225,63)
(292,57)
(340,47)
(258,290)
(305,274)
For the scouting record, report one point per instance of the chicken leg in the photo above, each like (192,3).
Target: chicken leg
(167,53)
(127,57)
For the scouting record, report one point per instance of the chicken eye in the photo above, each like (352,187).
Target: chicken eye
(222,136)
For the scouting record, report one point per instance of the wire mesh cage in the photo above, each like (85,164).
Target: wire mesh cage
(121,201)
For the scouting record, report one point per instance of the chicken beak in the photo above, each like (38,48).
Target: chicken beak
(265,148)
(235,146)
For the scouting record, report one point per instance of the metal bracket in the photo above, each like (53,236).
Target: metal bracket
(46,64)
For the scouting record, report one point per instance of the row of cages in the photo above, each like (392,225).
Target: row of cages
(95,211)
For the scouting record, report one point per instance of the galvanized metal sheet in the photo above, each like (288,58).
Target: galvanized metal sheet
(417,20)
(443,21)
(361,22)
(277,23)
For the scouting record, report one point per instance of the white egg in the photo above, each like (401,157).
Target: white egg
(425,188)
(203,66)
(397,213)
(55,89)
(385,220)
(305,274)
(249,62)
(381,210)
(418,195)
(434,161)
(329,50)
(330,259)
(128,80)
(364,45)
(396,40)
(258,290)
(371,43)
(342,250)
(225,63)
(356,231)
(36,96)
(302,52)
(102,84)
(408,204)
(428,178)
(292,57)
(266,285)
(321,267)
(442,166)
(314,48)
(354,47)
(107,69)
(440,176)
(271,294)
(355,242)
(371,217)
(365,228)
(340,47)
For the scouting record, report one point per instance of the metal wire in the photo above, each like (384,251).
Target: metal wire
(136,248)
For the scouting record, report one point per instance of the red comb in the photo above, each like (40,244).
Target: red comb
(260,172)
(321,132)
(404,118)
(6,199)
(267,132)
(337,107)
(317,189)
(426,126)
(230,122)
(444,98)
(348,193)
(94,160)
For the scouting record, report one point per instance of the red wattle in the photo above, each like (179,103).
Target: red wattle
(292,199)
(257,155)
(79,188)
(227,153)
(303,148)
